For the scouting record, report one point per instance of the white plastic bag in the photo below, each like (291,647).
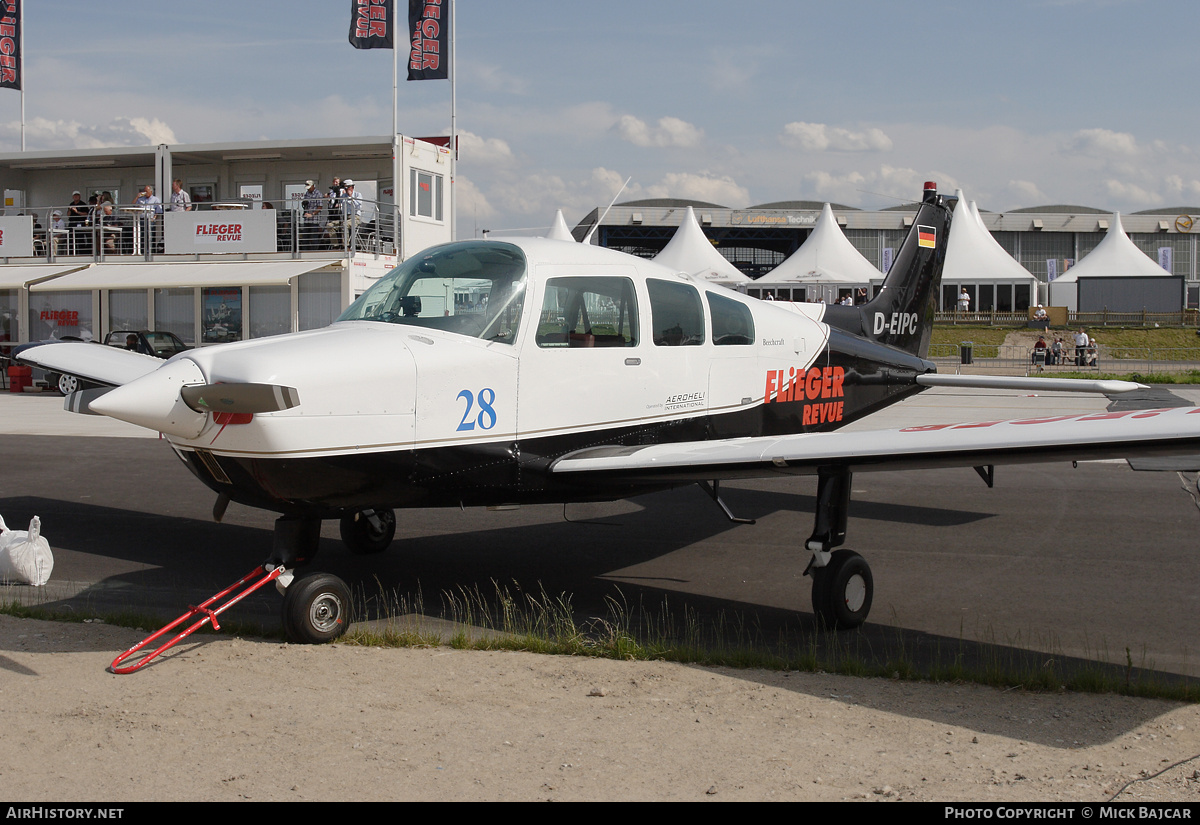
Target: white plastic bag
(24,555)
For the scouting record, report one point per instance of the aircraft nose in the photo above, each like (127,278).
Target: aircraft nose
(154,402)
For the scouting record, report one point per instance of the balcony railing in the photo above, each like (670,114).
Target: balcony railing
(136,231)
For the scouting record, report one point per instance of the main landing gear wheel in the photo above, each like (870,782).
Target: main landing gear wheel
(67,384)
(368,531)
(316,609)
(842,591)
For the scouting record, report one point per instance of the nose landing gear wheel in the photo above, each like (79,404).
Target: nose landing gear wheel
(67,384)
(842,591)
(316,609)
(368,531)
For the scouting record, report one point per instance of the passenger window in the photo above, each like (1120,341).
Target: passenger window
(676,315)
(732,321)
(588,312)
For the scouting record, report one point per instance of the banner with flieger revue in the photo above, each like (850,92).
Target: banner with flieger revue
(246,230)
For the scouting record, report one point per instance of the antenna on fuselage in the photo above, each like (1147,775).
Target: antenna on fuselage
(588,237)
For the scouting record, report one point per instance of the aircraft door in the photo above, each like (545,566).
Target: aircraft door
(734,381)
(581,370)
(676,353)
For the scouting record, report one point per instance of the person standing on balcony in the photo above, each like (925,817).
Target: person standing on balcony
(311,205)
(181,201)
(77,210)
(150,201)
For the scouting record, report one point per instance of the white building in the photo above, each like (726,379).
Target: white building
(251,257)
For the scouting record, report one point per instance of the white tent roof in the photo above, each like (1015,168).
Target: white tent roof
(826,256)
(559,231)
(1114,257)
(972,254)
(691,252)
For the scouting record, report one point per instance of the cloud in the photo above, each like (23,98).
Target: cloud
(1103,142)
(472,204)
(1026,190)
(484,150)
(671,131)
(818,137)
(70,134)
(1132,193)
(854,187)
(703,186)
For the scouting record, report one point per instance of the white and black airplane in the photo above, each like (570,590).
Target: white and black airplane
(534,370)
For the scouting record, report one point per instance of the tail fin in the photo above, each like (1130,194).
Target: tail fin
(901,315)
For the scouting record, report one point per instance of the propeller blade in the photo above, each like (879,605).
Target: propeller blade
(240,398)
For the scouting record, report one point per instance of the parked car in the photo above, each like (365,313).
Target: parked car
(158,343)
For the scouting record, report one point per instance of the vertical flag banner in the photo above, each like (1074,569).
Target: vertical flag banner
(429,27)
(371,24)
(11,67)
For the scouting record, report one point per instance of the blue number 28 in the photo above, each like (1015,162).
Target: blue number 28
(486,419)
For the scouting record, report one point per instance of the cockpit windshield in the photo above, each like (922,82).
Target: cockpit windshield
(470,288)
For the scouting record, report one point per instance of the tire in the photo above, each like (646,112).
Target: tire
(842,591)
(362,538)
(68,384)
(316,609)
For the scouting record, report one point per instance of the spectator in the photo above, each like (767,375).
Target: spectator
(964,301)
(77,210)
(149,201)
(181,201)
(1081,343)
(311,225)
(1039,352)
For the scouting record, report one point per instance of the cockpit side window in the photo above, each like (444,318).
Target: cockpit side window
(677,318)
(732,321)
(588,312)
(470,288)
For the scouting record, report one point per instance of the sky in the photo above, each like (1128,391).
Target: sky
(1021,103)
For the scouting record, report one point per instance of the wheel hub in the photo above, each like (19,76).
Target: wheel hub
(855,593)
(326,612)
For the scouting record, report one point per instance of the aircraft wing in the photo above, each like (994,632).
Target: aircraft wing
(1129,434)
(94,362)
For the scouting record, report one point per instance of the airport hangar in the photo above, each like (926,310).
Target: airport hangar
(1045,240)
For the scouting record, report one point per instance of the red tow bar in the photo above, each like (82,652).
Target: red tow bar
(252,581)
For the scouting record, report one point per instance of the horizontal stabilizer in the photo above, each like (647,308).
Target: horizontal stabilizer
(94,362)
(1011,382)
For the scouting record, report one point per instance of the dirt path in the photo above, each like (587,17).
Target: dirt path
(229,719)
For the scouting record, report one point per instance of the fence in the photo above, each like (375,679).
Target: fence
(1140,360)
(1183,318)
(133,230)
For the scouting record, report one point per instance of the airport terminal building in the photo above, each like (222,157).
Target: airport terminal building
(256,251)
(1045,240)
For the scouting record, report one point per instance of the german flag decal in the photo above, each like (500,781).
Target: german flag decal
(926,236)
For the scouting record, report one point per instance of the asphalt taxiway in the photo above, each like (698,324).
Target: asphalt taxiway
(1096,562)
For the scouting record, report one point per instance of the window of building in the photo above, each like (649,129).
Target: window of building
(676,315)
(175,311)
(425,195)
(732,321)
(9,321)
(588,312)
(127,309)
